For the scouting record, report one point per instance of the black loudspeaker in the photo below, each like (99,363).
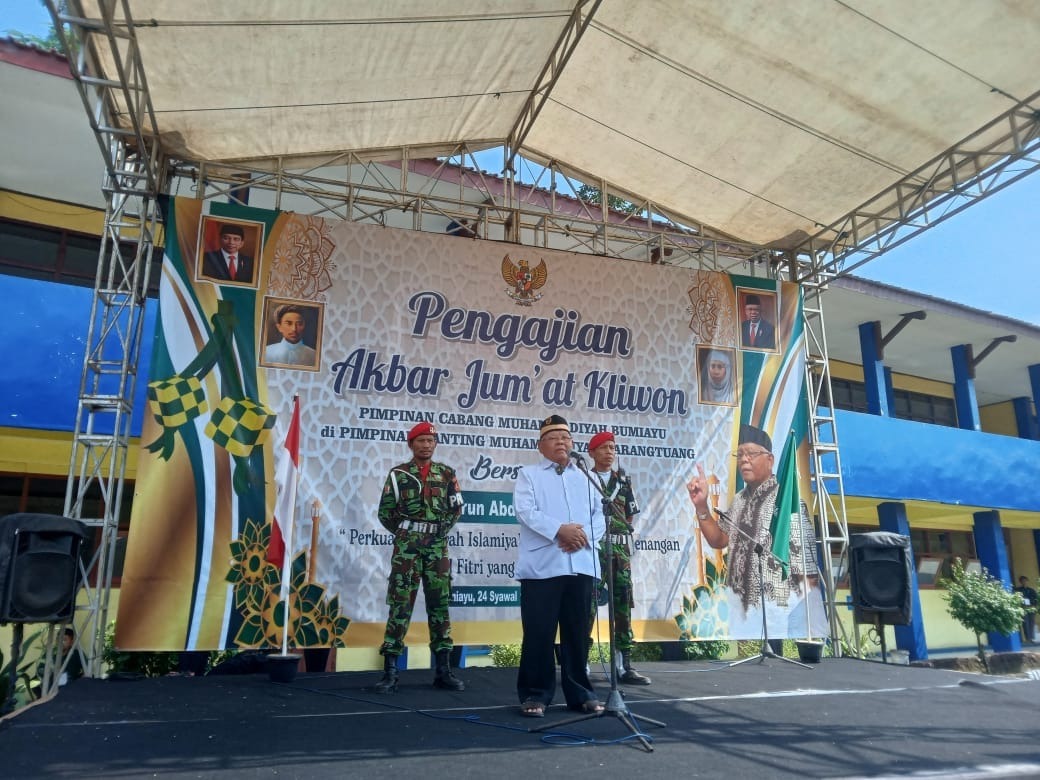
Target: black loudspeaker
(880,578)
(39,567)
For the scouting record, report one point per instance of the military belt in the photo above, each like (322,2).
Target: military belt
(620,538)
(419,527)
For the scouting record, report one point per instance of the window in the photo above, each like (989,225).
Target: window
(50,254)
(46,495)
(929,571)
(924,408)
(849,395)
(943,543)
(935,551)
(919,407)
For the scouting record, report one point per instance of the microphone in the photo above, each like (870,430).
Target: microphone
(577,458)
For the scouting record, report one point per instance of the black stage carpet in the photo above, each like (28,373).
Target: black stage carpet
(842,718)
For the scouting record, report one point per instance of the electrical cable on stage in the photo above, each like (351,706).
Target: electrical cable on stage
(555,738)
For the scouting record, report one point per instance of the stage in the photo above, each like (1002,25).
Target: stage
(841,718)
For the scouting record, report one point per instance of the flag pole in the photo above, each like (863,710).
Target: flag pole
(290,502)
(283,593)
(805,564)
(801,538)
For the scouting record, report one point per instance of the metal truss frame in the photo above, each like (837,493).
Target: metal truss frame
(987,161)
(534,204)
(828,499)
(524,207)
(133,176)
(579,21)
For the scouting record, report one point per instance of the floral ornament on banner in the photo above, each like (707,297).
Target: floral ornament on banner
(238,424)
(301,267)
(251,573)
(712,309)
(314,619)
(705,613)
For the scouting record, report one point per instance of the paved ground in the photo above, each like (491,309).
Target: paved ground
(841,718)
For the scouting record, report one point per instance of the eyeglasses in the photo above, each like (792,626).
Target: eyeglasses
(554,439)
(750,455)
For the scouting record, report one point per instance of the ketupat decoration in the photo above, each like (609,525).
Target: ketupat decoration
(239,424)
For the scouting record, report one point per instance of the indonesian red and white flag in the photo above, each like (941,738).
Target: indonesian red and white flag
(287,474)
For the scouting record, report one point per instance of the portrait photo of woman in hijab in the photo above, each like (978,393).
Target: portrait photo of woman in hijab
(718,380)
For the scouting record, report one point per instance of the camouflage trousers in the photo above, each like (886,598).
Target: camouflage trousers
(418,558)
(624,599)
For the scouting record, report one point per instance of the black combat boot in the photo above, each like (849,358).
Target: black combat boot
(443,677)
(630,675)
(389,682)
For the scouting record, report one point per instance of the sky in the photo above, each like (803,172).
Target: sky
(982,257)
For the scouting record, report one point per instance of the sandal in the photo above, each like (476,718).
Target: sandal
(592,707)
(532,708)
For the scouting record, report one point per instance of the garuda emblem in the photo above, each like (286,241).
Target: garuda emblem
(524,282)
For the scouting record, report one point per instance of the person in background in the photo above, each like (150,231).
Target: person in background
(1028,595)
(74,667)
(615,551)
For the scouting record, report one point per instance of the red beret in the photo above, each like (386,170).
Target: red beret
(600,439)
(422,429)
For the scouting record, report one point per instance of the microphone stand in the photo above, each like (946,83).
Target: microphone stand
(615,704)
(765,651)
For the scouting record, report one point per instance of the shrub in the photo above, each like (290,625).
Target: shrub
(137,663)
(646,652)
(505,655)
(982,604)
(707,650)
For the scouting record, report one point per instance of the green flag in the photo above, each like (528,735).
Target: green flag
(787,509)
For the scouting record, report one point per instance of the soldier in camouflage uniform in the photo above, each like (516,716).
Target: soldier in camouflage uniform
(618,487)
(420,504)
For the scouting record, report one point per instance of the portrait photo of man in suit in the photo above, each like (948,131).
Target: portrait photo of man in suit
(757,330)
(229,259)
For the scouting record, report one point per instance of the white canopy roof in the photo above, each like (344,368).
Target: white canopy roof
(764,121)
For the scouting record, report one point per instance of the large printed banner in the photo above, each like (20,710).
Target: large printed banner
(376,329)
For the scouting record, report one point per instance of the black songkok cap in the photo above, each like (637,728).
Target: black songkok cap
(553,423)
(749,434)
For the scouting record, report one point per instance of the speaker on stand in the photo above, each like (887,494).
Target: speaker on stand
(39,576)
(880,579)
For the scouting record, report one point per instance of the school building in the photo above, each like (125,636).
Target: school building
(935,402)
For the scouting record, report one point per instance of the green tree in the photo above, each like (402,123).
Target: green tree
(51,41)
(981,604)
(590,194)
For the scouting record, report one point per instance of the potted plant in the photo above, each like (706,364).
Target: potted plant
(281,667)
(810,650)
